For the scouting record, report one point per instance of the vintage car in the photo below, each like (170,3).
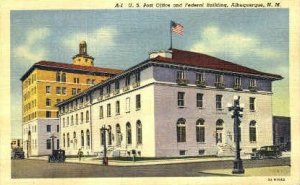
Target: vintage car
(17,153)
(57,156)
(266,152)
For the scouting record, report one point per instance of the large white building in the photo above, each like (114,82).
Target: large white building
(172,104)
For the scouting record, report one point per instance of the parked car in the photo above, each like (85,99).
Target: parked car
(266,152)
(17,153)
(57,156)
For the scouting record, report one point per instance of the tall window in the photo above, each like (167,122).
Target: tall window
(219,78)
(219,130)
(138,102)
(87,116)
(180,99)
(64,122)
(48,102)
(63,77)
(252,83)
(199,100)
(68,121)
(72,120)
(127,80)
(68,139)
(64,140)
(48,144)
(48,128)
(48,114)
(128,104)
(48,89)
(102,137)
(101,112)
(137,77)
(200,77)
(58,76)
(139,135)
(101,92)
(81,117)
(64,90)
(109,135)
(73,91)
(200,130)
(108,110)
(82,138)
(87,138)
(252,104)
(118,135)
(180,75)
(117,85)
(252,131)
(181,134)
(108,89)
(74,140)
(218,102)
(57,144)
(76,119)
(128,133)
(58,90)
(117,107)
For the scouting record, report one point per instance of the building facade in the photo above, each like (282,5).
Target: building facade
(282,132)
(47,83)
(172,104)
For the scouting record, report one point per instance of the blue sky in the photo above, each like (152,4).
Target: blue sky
(122,38)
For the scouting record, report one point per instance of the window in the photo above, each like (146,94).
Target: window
(139,132)
(108,89)
(63,90)
(57,128)
(48,102)
(78,91)
(219,78)
(180,75)
(137,77)
(64,123)
(93,81)
(57,144)
(81,117)
(118,135)
(109,135)
(48,144)
(73,91)
(68,140)
(76,119)
(108,110)
(88,81)
(68,121)
(48,89)
(58,90)
(252,131)
(101,112)
(200,131)
(127,80)
(219,131)
(117,85)
(181,152)
(237,81)
(101,92)
(138,102)
(72,120)
(127,104)
(181,136)
(48,128)
(48,114)
(64,140)
(82,138)
(180,99)
(200,77)
(252,104)
(87,116)
(63,77)
(58,76)
(252,83)
(87,138)
(199,100)
(76,80)
(102,137)
(218,102)
(128,134)
(117,107)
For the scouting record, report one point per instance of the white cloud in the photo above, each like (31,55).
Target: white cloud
(236,44)
(31,49)
(98,40)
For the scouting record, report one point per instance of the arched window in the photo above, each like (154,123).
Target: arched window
(63,77)
(181,134)
(109,135)
(72,120)
(252,131)
(64,140)
(76,119)
(118,135)
(128,133)
(68,140)
(200,130)
(87,138)
(82,138)
(87,116)
(139,132)
(58,76)
(219,131)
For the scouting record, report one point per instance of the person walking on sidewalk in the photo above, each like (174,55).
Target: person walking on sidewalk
(80,154)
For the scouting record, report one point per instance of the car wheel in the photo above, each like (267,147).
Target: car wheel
(260,156)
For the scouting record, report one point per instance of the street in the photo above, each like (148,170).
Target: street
(42,169)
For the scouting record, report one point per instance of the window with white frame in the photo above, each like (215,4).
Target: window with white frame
(200,77)
(252,83)
(81,117)
(181,133)
(48,102)
(219,102)
(219,78)
(101,112)
(180,99)
(252,131)
(252,104)
(180,75)
(118,135)
(87,116)
(127,80)
(108,110)
(48,89)
(237,81)
(138,102)
(199,99)
(200,130)
(139,135)
(58,90)
(117,107)
(128,134)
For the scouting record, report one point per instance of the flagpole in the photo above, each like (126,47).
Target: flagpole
(170,34)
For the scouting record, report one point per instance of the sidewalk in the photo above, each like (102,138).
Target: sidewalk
(94,160)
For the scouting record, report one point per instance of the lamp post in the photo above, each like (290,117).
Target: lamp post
(237,113)
(105,158)
(52,137)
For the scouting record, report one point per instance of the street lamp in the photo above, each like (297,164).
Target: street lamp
(52,137)
(105,158)
(237,112)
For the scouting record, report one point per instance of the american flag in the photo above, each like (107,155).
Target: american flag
(177,28)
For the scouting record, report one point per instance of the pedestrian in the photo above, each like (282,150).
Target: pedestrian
(80,153)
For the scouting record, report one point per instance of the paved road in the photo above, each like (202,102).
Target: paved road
(42,169)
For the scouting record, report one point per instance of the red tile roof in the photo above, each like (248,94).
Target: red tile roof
(205,61)
(65,66)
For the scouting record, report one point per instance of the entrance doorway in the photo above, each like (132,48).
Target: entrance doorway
(219,131)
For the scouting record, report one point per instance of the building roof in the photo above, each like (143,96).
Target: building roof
(70,67)
(200,60)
